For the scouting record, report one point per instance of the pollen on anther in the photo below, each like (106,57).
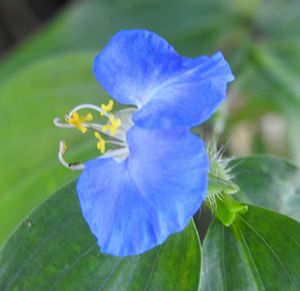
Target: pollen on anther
(77,120)
(107,108)
(113,126)
(101,142)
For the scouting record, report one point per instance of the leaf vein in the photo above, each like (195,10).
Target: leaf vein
(271,249)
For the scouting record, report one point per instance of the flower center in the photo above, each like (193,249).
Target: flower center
(113,133)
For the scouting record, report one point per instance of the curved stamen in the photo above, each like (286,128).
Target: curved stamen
(57,122)
(88,106)
(61,152)
(118,139)
(114,129)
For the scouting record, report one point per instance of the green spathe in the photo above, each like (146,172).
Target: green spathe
(227,209)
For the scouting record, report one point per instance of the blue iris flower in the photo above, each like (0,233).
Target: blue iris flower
(135,197)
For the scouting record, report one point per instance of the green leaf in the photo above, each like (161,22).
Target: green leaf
(29,101)
(260,251)
(270,182)
(54,249)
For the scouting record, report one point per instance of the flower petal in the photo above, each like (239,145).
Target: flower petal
(133,63)
(139,67)
(189,98)
(134,205)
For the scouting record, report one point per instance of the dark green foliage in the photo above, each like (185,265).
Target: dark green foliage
(269,182)
(260,251)
(53,249)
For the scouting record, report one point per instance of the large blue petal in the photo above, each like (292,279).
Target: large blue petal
(134,205)
(139,67)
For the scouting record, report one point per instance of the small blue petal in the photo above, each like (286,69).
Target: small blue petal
(139,67)
(134,205)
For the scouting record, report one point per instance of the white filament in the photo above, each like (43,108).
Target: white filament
(88,106)
(61,152)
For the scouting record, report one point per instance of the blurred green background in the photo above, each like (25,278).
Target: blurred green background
(47,52)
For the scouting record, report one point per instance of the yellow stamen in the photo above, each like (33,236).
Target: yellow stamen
(113,125)
(101,142)
(107,108)
(76,120)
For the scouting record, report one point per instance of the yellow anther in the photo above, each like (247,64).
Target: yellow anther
(101,142)
(113,126)
(76,120)
(107,108)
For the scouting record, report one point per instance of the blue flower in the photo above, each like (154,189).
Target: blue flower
(140,68)
(153,179)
